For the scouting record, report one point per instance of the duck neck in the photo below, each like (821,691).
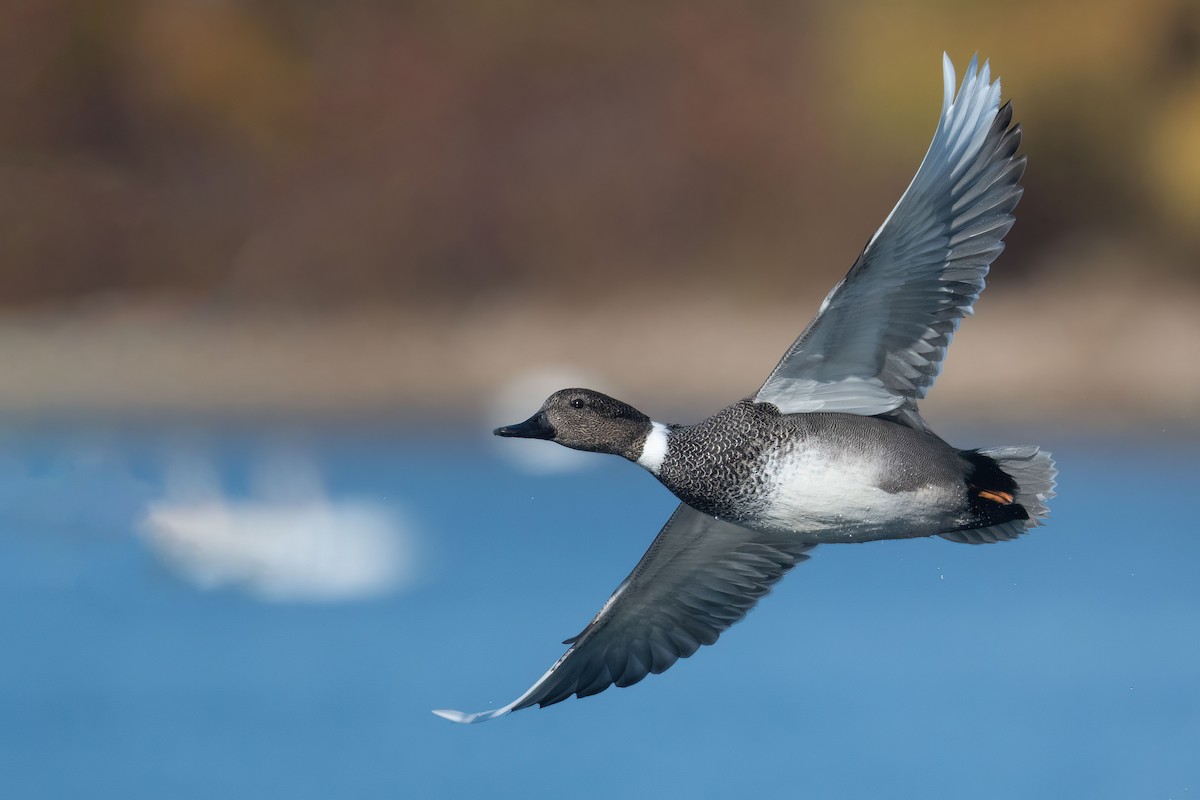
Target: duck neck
(654,448)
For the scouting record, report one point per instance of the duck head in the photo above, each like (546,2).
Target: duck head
(586,420)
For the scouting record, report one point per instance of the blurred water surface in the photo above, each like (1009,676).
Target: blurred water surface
(1063,665)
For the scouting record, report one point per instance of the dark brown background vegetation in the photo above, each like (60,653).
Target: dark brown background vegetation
(389,178)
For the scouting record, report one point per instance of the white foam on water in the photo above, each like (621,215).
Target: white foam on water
(289,542)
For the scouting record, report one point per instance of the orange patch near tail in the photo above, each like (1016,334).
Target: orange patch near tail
(1003,498)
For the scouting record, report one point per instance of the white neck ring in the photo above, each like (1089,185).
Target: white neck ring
(654,451)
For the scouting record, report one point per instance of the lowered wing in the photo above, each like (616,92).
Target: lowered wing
(699,576)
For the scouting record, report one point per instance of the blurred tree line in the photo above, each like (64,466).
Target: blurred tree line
(254,152)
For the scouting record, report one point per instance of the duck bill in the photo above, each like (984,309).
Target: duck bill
(536,427)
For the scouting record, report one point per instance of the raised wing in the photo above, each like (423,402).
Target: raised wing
(879,339)
(699,576)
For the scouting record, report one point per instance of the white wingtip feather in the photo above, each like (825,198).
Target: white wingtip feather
(972,68)
(948,81)
(463,718)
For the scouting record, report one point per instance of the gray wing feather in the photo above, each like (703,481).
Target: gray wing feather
(879,340)
(699,576)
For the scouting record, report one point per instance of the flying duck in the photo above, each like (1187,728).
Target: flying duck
(831,448)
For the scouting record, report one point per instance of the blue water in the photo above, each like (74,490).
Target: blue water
(1063,665)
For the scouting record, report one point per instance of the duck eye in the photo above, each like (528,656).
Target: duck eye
(577,403)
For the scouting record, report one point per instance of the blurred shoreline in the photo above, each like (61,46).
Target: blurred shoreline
(1045,353)
(396,215)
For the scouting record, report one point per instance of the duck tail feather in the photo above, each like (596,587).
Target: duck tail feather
(1022,479)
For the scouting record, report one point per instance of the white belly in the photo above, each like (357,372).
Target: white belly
(839,500)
